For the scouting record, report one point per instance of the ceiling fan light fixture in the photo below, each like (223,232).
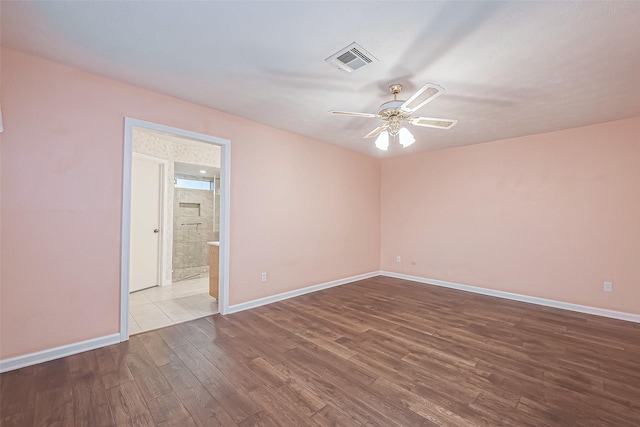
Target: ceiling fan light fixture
(405,137)
(382,141)
(396,113)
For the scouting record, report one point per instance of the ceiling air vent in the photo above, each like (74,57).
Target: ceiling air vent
(351,58)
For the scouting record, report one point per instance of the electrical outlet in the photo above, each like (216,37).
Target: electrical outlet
(263,277)
(398,259)
(607,287)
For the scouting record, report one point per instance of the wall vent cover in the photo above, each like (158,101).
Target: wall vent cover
(351,58)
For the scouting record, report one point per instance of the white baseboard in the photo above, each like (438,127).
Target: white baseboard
(518,297)
(57,352)
(297,292)
(79,347)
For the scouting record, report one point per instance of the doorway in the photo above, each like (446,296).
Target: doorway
(132,127)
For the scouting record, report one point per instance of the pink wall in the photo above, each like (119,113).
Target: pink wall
(550,215)
(305,211)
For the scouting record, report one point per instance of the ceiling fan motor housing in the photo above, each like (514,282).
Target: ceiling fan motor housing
(392,108)
(392,112)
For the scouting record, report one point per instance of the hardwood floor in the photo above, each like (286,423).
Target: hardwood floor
(380,352)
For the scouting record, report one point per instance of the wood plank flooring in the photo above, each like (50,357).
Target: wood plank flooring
(379,352)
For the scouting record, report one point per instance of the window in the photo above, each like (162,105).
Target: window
(194,184)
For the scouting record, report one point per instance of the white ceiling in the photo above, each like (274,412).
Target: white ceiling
(191,171)
(510,68)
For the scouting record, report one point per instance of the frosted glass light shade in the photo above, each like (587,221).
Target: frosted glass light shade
(405,137)
(382,142)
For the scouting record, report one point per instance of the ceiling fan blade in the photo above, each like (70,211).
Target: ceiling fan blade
(433,122)
(425,94)
(377,131)
(348,113)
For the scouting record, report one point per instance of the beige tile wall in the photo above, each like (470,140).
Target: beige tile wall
(193,225)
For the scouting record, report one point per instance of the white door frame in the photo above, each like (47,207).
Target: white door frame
(164,167)
(225,211)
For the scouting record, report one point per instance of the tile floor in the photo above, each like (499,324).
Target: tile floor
(161,306)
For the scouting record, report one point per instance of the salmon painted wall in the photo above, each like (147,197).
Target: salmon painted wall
(551,215)
(305,211)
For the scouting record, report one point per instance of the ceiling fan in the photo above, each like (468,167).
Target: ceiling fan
(395,113)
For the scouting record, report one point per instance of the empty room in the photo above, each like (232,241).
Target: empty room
(320,213)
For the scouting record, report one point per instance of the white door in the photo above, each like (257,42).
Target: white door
(146,208)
